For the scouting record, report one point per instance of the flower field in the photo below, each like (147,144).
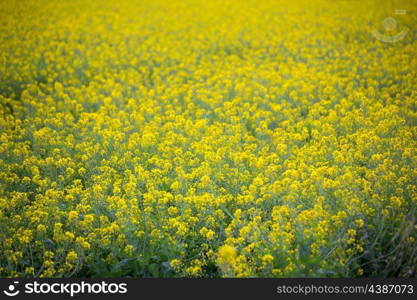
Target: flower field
(191,138)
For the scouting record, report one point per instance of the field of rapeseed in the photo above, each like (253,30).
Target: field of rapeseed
(233,138)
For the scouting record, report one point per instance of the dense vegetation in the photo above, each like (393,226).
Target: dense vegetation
(207,138)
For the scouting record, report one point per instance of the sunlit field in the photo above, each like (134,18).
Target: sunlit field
(208,138)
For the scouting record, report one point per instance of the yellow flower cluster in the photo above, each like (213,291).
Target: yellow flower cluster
(235,138)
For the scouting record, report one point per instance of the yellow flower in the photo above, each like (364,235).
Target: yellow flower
(72,256)
(72,215)
(360,223)
(41,228)
(352,232)
(267,259)
(226,257)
